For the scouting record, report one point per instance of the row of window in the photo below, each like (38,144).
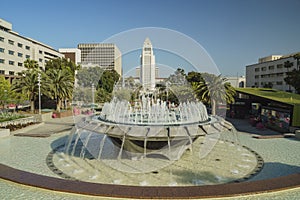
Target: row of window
(264,83)
(269,75)
(13,43)
(271,67)
(10,72)
(10,62)
(10,52)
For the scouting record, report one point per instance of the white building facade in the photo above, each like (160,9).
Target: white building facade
(148,69)
(15,49)
(270,70)
(105,55)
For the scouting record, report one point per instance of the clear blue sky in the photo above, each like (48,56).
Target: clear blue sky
(234,32)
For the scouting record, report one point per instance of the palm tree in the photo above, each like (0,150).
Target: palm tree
(28,85)
(214,89)
(31,64)
(60,84)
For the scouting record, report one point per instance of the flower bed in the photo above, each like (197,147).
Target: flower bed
(18,123)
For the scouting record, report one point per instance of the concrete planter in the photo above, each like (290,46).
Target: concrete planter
(4,132)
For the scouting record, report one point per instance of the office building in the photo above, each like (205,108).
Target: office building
(270,71)
(104,55)
(148,68)
(15,49)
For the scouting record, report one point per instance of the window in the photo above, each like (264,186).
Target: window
(40,52)
(28,56)
(41,60)
(20,64)
(1,50)
(279,66)
(279,83)
(271,67)
(11,62)
(20,54)
(11,73)
(2,72)
(20,45)
(1,60)
(10,52)
(256,76)
(256,69)
(263,68)
(11,42)
(27,47)
(1,39)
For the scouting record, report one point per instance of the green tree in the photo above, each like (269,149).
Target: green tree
(214,90)
(5,91)
(28,85)
(31,64)
(179,77)
(87,76)
(108,79)
(293,79)
(60,84)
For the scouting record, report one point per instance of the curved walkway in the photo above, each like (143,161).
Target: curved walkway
(106,190)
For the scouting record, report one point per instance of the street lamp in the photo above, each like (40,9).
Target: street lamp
(39,84)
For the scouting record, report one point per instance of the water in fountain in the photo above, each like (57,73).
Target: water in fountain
(147,112)
(147,137)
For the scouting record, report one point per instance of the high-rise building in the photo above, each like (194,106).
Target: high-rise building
(104,55)
(270,71)
(15,49)
(148,69)
(71,53)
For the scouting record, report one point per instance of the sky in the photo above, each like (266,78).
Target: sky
(234,33)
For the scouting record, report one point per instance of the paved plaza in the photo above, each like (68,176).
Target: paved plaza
(281,157)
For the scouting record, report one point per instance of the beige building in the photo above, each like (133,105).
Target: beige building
(104,55)
(15,49)
(270,70)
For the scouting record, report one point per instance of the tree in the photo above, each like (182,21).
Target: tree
(293,79)
(60,84)
(88,76)
(297,58)
(28,85)
(5,91)
(179,77)
(108,79)
(31,64)
(214,90)
(288,65)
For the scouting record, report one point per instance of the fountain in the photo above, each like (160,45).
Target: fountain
(159,141)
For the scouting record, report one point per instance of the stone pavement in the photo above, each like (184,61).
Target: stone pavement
(47,128)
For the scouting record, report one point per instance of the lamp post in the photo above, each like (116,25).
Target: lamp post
(39,84)
(93,97)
